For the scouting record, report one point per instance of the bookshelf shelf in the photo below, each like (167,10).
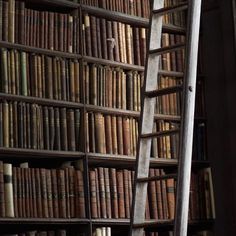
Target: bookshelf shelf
(42,221)
(129,19)
(23,153)
(109,160)
(56,3)
(40,101)
(48,52)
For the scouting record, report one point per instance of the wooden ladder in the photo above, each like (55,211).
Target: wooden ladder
(149,95)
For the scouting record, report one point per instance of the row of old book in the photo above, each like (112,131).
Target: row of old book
(114,40)
(44,29)
(139,8)
(24,125)
(42,76)
(41,193)
(111,194)
(111,134)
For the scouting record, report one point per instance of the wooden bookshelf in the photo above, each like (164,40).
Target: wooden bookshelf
(89,159)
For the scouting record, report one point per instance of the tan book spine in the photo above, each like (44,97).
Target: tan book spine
(8,188)
(108,134)
(114,135)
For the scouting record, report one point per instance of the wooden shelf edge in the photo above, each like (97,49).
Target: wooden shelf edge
(97,159)
(56,3)
(36,153)
(44,51)
(38,221)
(102,61)
(40,101)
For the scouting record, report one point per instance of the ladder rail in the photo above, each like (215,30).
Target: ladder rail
(146,124)
(187,123)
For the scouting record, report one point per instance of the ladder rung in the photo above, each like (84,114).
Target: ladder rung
(173,29)
(167,49)
(171,73)
(164,91)
(156,178)
(152,223)
(170,9)
(160,133)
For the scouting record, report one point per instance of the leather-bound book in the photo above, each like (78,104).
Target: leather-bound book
(51,30)
(110,41)
(63,126)
(114,92)
(107,193)
(93,198)
(24,85)
(1,22)
(143,46)
(63,79)
(114,194)
(61,31)
(8,189)
(46,127)
(55,82)
(65,30)
(1,125)
(93,84)
(120,42)
(49,193)
(72,191)
(120,192)
(126,136)
(114,135)
(4,71)
(116,40)
(152,196)
(51,127)
(100,133)
(71,129)
(104,38)
(55,192)
(130,90)
(108,134)
(164,197)
(34,193)
(49,80)
(80,196)
(88,35)
(67,185)
(19,192)
(126,193)
(57,145)
(6,125)
(102,193)
(5,21)
(44,192)
(159,195)
(120,140)
(61,193)
(27,197)
(98,39)
(94,36)
(77,81)
(38,193)
(70,34)
(11,21)
(99,210)
(137,54)
(2,191)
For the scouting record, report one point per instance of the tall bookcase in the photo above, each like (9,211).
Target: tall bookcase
(80,154)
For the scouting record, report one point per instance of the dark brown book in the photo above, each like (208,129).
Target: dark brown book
(159,196)
(77,81)
(71,130)
(67,185)
(63,126)
(94,36)
(143,46)
(51,30)
(70,34)
(46,127)
(6,125)
(130,91)
(2,192)
(55,192)
(43,182)
(49,193)
(126,193)
(93,84)
(49,80)
(114,194)
(99,43)
(116,40)
(107,193)
(79,195)
(72,81)
(102,194)
(57,144)
(19,192)
(61,32)
(104,39)
(110,41)
(61,193)
(152,197)
(126,136)
(5,21)
(137,54)
(120,193)
(108,134)
(164,197)
(1,22)
(93,198)
(120,141)
(98,194)
(51,118)
(39,193)
(34,192)
(100,133)
(27,192)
